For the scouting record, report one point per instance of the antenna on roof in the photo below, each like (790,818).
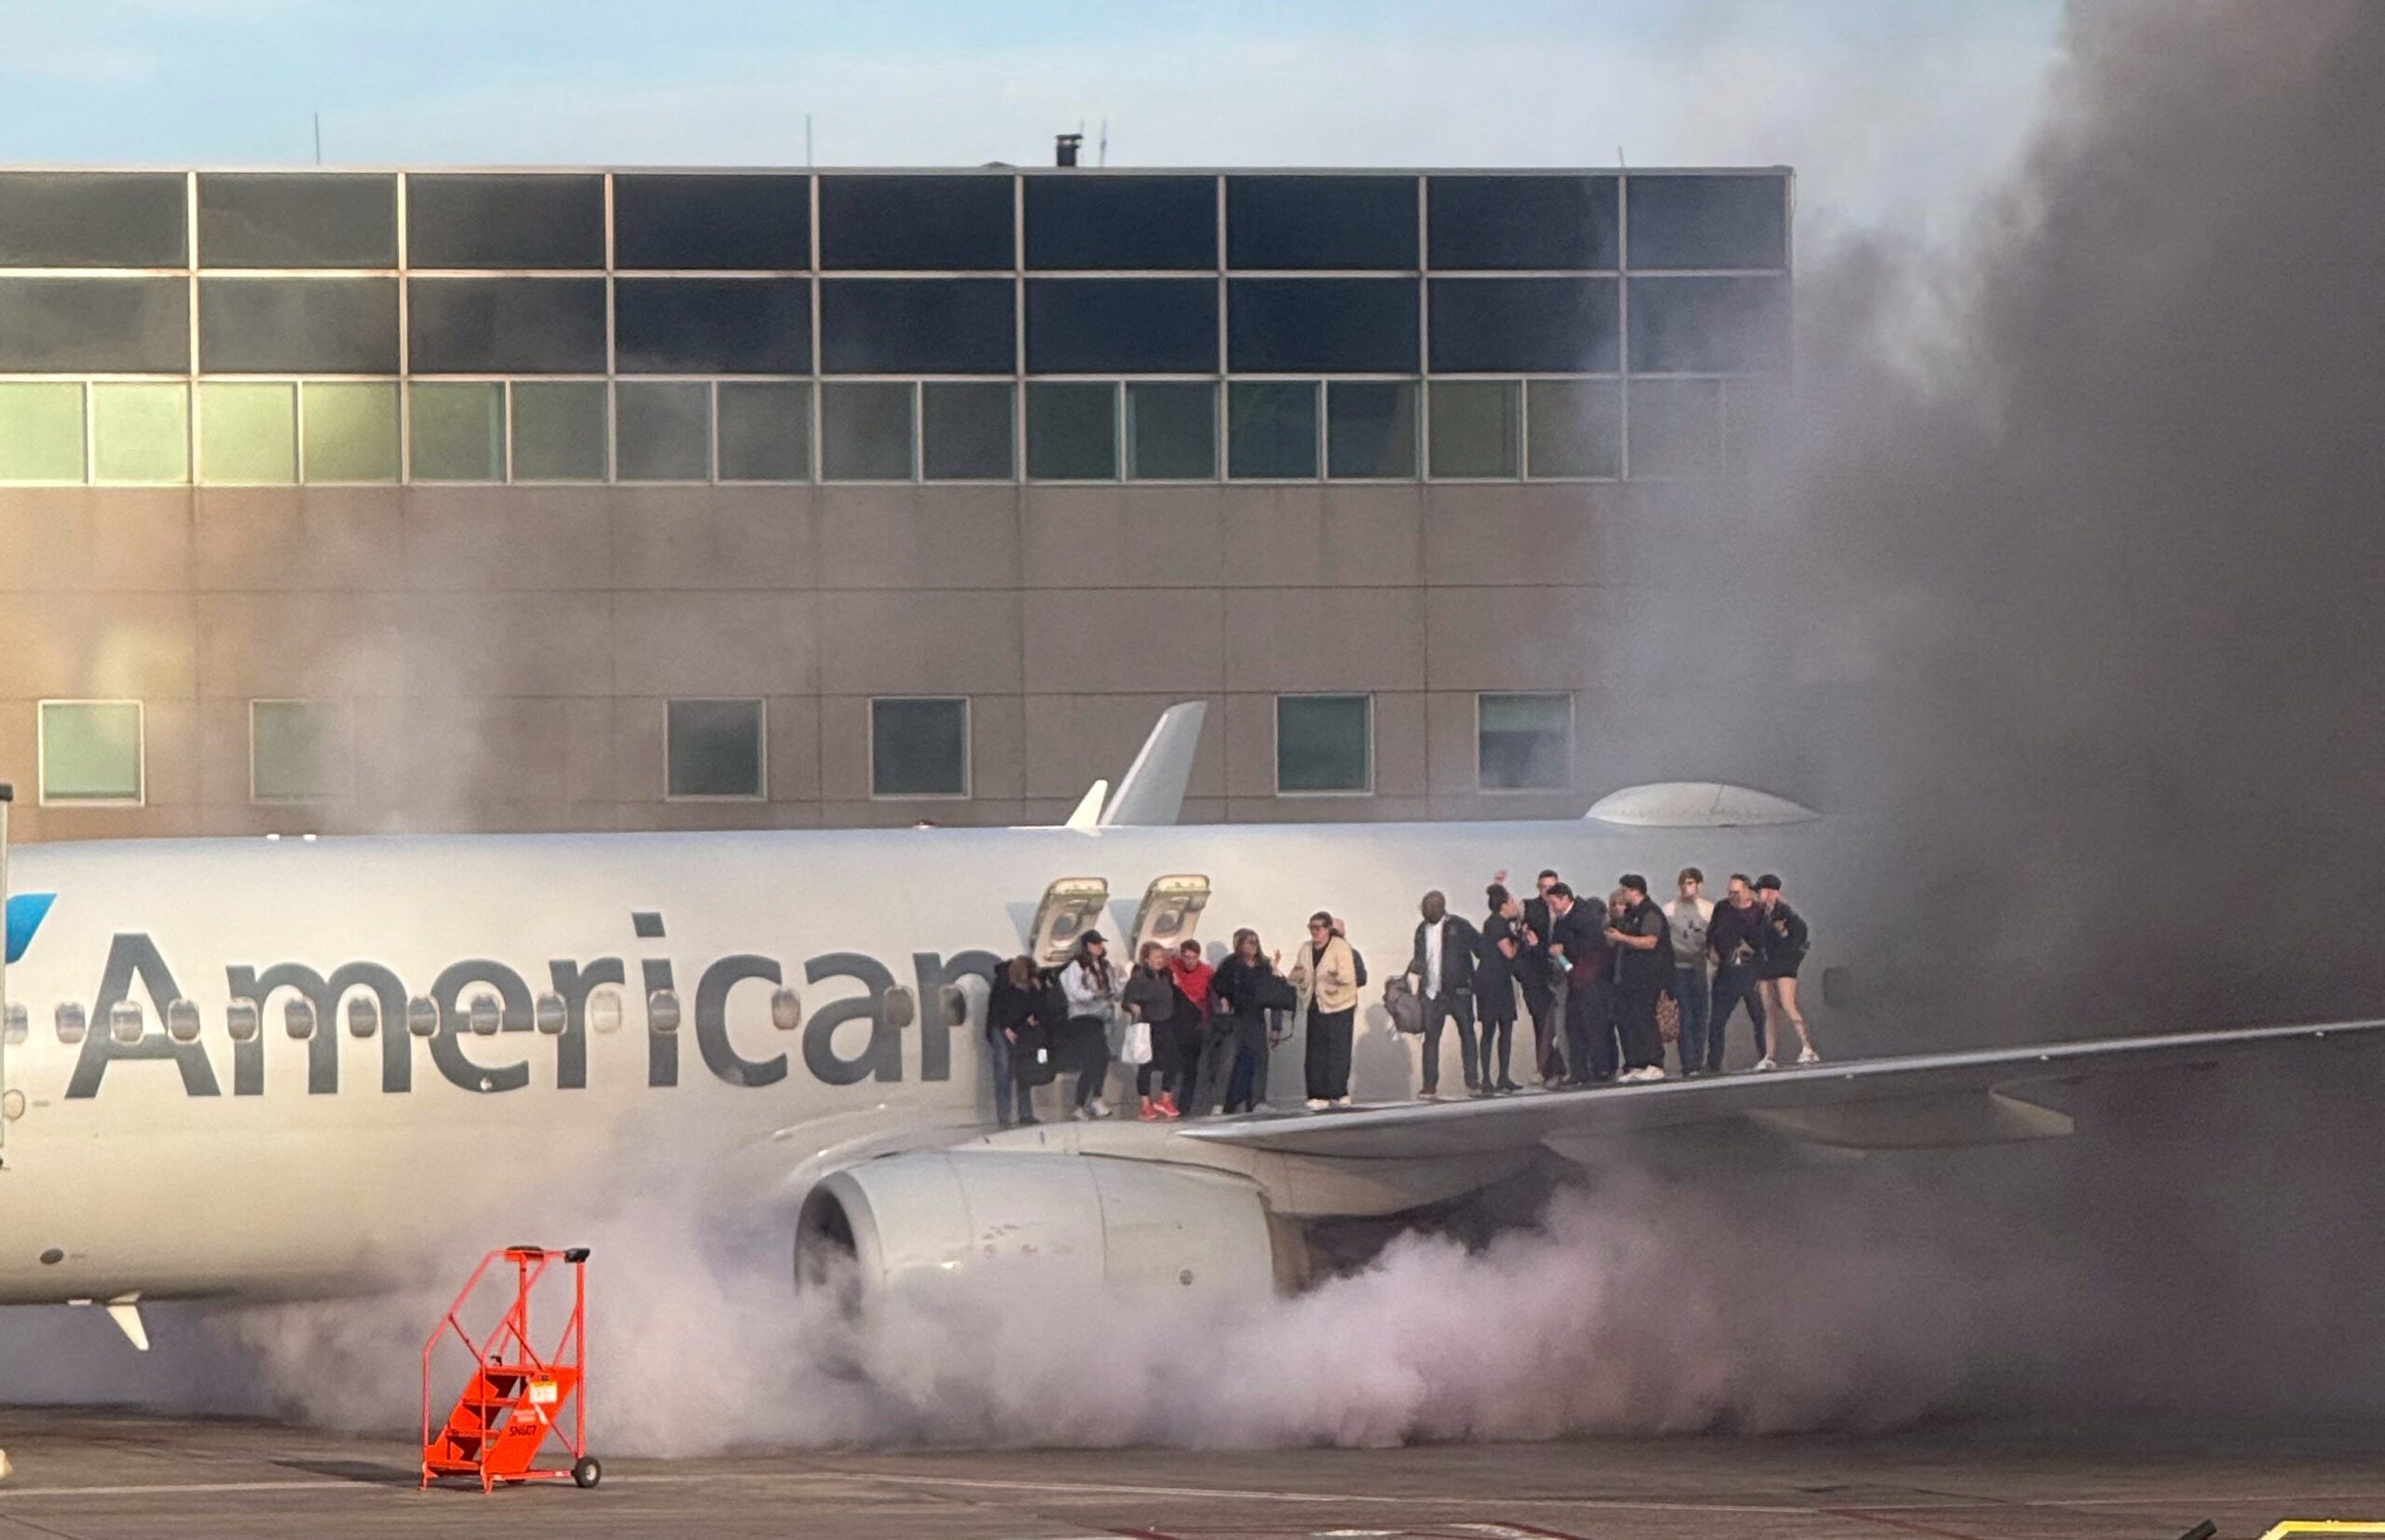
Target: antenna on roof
(319,139)
(1101,150)
(807,141)
(1618,160)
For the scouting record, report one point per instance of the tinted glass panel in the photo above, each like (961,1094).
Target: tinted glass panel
(1122,326)
(713,747)
(300,221)
(1755,420)
(663,432)
(1525,742)
(765,431)
(922,223)
(298,325)
(83,218)
(298,751)
(1321,221)
(1271,429)
(1475,427)
(712,325)
(918,748)
(866,432)
(103,325)
(1709,222)
(41,432)
(1171,430)
(506,325)
(1521,221)
(1576,428)
(712,221)
(90,751)
(1323,742)
(928,326)
(965,433)
(1549,325)
(558,432)
(140,433)
(457,432)
(1071,431)
(349,430)
(1343,325)
(1370,428)
(1676,428)
(247,434)
(1700,324)
(1122,221)
(476,221)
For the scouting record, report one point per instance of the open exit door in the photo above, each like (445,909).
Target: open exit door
(1170,911)
(1070,908)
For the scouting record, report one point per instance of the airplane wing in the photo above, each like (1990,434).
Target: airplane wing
(1922,1101)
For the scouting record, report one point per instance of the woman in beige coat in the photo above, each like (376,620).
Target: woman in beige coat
(1325,973)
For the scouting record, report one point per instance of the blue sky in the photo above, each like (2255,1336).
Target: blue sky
(1895,112)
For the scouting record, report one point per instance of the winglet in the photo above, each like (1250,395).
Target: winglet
(1152,792)
(1087,817)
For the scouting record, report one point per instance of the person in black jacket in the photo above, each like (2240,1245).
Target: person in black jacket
(1577,947)
(1442,965)
(1494,987)
(1643,967)
(1244,990)
(1150,998)
(1015,1038)
(1541,981)
(1780,953)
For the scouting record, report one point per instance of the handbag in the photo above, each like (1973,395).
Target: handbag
(1668,1019)
(1134,1047)
(1407,1011)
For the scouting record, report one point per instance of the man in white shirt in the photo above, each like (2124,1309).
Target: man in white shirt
(1688,916)
(1442,965)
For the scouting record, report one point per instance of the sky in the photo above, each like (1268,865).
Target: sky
(1896,112)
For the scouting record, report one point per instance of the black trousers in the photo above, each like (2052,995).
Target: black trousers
(1328,1053)
(1160,1070)
(1734,986)
(1499,1039)
(1540,1003)
(1635,1021)
(1247,1086)
(1089,1046)
(1590,1029)
(1439,1009)
(1218,1041)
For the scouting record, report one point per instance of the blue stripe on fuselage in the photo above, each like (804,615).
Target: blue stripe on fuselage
(25,914)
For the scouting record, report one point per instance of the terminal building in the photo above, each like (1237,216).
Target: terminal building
(618,500)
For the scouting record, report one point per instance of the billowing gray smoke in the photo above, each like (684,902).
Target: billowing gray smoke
(2067,562)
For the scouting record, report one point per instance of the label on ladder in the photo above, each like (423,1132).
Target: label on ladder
(543,1392)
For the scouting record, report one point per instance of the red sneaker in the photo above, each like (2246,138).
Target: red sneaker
(1150,1113)
(1167,1105)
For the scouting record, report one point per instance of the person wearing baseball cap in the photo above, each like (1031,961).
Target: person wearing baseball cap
(1783,939)
(1092,987)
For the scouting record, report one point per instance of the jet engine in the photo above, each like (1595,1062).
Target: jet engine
(1136,1226)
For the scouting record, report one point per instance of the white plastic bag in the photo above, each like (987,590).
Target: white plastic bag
(1135,1049)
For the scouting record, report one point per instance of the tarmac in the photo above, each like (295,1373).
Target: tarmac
(92,1473)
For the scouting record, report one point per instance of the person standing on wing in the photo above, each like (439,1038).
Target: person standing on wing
(1442,965)
(1494,987)
(1780,953)
(1325,973)
(1643,969)
(1686,919)
(1092,990)
(1732,933)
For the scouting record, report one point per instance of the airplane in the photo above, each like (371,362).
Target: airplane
(299,1068)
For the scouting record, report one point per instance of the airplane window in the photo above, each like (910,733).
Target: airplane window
(550,1015)
(786,1010)
(241,1019)
(422,1016)
(181,1021)
(125,1023)
(482,1015)
(298,1019)
(363,1015)
(901,1009)
(17,1023)
(70,1022)
(605,1011)
(955,1003)
(662,1011)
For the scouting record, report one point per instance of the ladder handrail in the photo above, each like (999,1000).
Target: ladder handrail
(571,1346)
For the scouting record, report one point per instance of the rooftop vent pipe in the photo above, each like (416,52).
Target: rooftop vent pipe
(1065,147)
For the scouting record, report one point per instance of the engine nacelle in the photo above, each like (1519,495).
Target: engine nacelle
(1133,1225)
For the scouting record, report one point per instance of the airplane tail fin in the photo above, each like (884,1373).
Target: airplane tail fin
(1087,816)
(1152,791)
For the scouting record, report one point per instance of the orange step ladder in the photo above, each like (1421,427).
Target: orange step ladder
(516,1399)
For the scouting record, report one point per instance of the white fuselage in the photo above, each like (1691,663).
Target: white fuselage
(277,1166)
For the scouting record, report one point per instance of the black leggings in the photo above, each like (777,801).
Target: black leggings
(1089,1045)
(1162,1066)
(1503,1035)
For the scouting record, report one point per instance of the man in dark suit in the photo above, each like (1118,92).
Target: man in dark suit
(1541,981)
(1578,947)
(1442,965)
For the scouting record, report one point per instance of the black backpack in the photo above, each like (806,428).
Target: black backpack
(1359,965)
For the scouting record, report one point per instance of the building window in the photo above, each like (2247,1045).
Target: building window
(1325,744)
(663,432)
(1071,431)
(41,432)
(299,751)
(90,751)
(457,432)
(918,747)
(1573,428)
(1171,430)
(713,749)
(140,433)
(348,430)
(1523,742)
(866,432)
(559,431)
(1477,428)
(1271,429)
(1370,430)
(765,431)
(1676,428)
(247,434)
(965,433)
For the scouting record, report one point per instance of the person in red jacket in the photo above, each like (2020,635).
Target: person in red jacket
(1193,978)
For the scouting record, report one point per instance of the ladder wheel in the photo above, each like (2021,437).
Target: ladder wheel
(586,1472)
